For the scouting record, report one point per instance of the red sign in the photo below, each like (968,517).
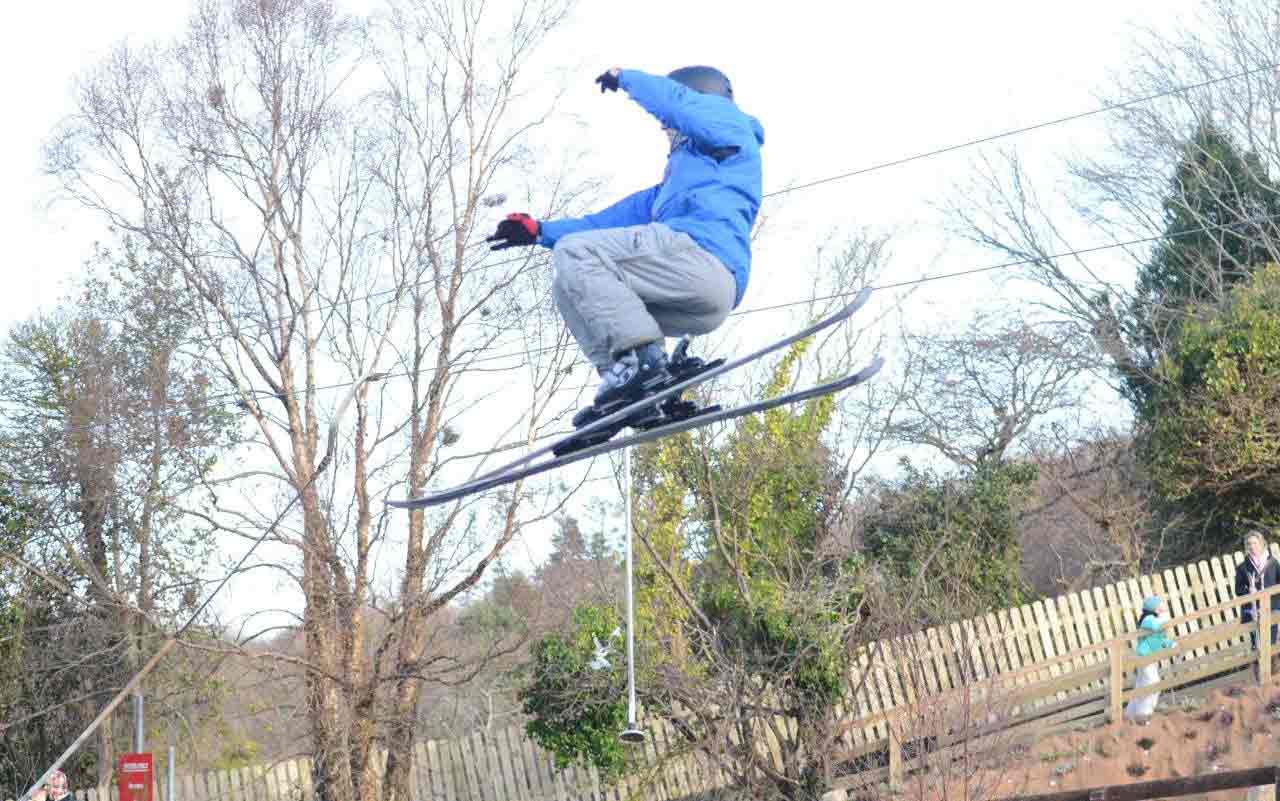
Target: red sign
(135,774)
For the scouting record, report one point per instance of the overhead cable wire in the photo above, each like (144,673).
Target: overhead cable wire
(1091,249)
(898,162)
(984,140)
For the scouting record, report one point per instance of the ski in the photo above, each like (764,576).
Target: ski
(489,481)
(630,409)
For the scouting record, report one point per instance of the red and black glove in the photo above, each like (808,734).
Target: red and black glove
(515,231)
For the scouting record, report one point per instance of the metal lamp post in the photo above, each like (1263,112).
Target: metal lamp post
(632,733)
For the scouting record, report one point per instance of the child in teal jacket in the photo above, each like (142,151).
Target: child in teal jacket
(1154,625)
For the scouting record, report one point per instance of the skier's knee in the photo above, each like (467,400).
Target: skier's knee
(562,275)
(566,260)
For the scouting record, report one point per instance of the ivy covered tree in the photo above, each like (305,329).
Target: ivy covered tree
(749,607)
(13,622)
(43,629)
(111,438)
(1214,447)
(958,535)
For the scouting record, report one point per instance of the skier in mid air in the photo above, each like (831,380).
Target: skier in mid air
(669,260)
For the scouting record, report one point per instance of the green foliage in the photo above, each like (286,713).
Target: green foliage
(575,710)
(773,480)
(738,526)
(766,502)
(964,528)
(236,754)
(797,647)
(1220,214)
(15,525)
(1214,445)
(661,476)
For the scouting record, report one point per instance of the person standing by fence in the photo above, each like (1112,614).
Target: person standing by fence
(58,788)
(1258,571)
(1153,624)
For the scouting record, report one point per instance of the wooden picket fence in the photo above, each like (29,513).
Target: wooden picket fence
(1079,688)
(1065,662)
(499,765)
(1018,672)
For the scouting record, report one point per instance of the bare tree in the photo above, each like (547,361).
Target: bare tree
(974,396)
(1214,73)
(1156,226)
(318,183)
(1219,66)
(1091,521)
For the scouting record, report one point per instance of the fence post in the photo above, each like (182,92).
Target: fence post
(1115,684)
(1264,641)
(895,755)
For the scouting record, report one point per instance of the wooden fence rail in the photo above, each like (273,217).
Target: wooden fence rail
(1167,788)
(1054,662)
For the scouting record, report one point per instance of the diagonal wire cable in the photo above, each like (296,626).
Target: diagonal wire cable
(1074,252)
(830,179)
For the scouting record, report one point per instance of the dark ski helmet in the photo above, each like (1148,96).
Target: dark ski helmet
(708,80)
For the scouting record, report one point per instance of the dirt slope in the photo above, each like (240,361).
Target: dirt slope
(1227,730)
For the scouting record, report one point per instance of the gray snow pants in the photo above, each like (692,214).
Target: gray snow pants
(617,288)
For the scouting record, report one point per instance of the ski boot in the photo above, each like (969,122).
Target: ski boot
(637,374)
(682,367)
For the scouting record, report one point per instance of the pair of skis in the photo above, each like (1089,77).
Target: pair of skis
(529,464)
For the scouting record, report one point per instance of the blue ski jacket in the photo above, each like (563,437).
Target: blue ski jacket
(712,186)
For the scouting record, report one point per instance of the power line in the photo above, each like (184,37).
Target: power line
(235,398)
(897,162)
(1027,129)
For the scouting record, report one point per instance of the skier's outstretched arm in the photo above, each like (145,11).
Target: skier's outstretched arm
(710,121)
(520,229)
(634,209)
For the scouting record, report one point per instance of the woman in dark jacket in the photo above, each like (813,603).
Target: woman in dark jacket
(1258,571)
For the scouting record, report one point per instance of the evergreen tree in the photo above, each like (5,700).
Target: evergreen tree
(567,542)
(1220,223)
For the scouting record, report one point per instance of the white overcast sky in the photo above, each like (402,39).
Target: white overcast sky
(837,86)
